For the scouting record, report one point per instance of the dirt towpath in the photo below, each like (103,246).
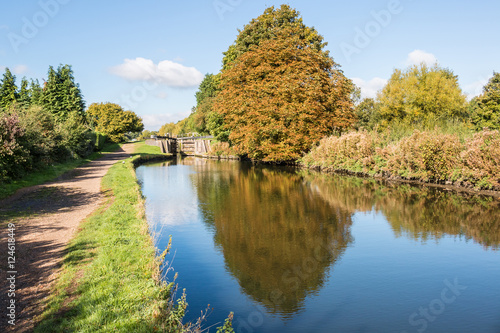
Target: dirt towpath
(46,218)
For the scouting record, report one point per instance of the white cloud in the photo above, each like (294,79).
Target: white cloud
(370,88)
(153,122)
(475,88)
(418,56)
(20,69)
(166,72)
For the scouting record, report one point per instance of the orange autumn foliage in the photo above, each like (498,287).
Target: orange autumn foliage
(281,97)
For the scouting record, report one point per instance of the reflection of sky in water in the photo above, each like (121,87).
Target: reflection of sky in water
(172,205)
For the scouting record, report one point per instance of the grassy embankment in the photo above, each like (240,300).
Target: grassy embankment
(51,172)
(110,280)
(446,155)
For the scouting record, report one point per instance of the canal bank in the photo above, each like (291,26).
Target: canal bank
(110,278)
(462,162)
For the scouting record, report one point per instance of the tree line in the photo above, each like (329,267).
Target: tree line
(279,92)
(45,124)
(423,96)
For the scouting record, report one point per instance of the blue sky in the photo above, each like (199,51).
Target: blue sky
(149,56)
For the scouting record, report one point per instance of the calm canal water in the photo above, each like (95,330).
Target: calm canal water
(293,251)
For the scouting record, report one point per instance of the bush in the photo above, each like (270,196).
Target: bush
(425,155)
(435,155)
(221,149)
(42,138)
(99,140)
(354,150)
(481,158)
(31,139)
(76,137)
(12,153)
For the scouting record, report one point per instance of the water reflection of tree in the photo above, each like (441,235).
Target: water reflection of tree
(420,213)
(280,231)
(277,237)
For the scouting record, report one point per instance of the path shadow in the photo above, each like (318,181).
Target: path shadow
(47,200)
(83,171)
(37,259)
(35,267)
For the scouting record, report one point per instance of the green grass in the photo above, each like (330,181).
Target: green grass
(109,277)
(140,148)
(51,172)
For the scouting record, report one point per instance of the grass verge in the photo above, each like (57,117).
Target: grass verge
(50,172)
(109,275)
(141,148)
(110,279)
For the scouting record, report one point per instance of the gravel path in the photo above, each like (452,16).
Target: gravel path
(46,218)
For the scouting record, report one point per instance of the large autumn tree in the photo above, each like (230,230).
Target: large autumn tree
(268,26)
(280,91)
(421,94)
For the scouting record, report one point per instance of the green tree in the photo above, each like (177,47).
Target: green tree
(132,122)
(110,119)
(35,92)
(486,107)
(61,95)
(24,97)
(205,97)
(284,93)
(208,88)
(422,94)
(76,135)
(73,98)
(182,127)
(146,134)
(8,89)
(366,114)
(215,126)
(52,94)
(186,126)
(168,128)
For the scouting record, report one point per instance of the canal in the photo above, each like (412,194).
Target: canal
(290,250)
